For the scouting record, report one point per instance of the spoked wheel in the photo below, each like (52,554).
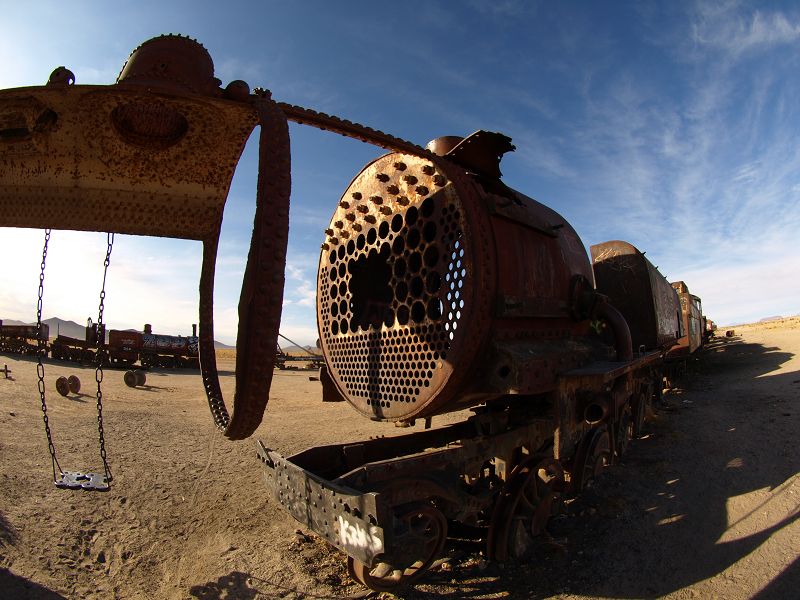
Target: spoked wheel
(595,457)
(639,415)
(424,535)
(624,432)
(523,508)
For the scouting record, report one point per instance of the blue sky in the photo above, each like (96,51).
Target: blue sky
(673,126)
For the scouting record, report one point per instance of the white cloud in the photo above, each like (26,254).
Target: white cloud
(727,29)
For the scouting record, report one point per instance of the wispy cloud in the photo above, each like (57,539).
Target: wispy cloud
(726,27)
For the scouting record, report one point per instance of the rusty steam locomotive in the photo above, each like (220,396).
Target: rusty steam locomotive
(439,289)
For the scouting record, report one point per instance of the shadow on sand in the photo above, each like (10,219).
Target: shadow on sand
(659,521)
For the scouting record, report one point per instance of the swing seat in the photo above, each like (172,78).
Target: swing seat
(74,480)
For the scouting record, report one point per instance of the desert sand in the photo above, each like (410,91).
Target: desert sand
(705,505)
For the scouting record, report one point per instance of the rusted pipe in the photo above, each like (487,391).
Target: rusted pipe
(596,411)
(619,327)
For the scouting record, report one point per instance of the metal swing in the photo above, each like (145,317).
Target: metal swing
(74,480)
(154,154)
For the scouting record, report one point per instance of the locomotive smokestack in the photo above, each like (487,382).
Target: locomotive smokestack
(194,329)
(148,329)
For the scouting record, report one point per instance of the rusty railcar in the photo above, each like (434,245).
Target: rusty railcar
(72,349)
(126,347)
(439,288)
(22,339)
(692,315)
(640,292)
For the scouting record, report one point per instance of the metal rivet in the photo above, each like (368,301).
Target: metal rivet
(422,190)
(376,199)
(344,233)
(410,179)
(362,208)
(338,224)
(334,240)
(386,210)
(329,231)
(400,166)
(393,189)
(439,180)
(344,204)
(382,177)
(403,201)
(357,226)
(428,169)
(325,246)
(356,195)
(350,216)
(370,219)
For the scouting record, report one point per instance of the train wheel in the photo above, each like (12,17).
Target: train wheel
(639,415)
(62,386)
(426,534)
(141,378)
(623,432)
(130,378)
(523,508)
(595,457)
(74,384)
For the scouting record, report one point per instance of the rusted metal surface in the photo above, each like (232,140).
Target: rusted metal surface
(638,290)
(439,288)
(62,386)
(22,339)
(419,282)
(691,315)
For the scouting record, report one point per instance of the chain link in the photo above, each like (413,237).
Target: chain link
(101,358)
(41,352)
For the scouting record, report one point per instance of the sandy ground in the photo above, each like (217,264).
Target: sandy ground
(706,505)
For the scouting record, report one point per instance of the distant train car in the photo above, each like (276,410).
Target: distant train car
(709,330)
(73,349)
(692,313)
(22,339)
(128,347)
(169,351)
(640,292)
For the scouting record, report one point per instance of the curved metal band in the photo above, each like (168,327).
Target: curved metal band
(261,297)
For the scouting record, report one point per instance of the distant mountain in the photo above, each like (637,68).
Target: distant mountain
(765,319)
(67,328)
(12,322)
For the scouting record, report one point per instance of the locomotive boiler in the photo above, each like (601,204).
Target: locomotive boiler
(441,288)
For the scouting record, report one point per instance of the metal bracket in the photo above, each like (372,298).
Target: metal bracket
(74,480)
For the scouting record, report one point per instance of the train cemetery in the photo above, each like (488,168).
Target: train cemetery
(492,413)
(699,506)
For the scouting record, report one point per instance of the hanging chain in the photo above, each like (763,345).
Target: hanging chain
(41,351)
(101,356)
